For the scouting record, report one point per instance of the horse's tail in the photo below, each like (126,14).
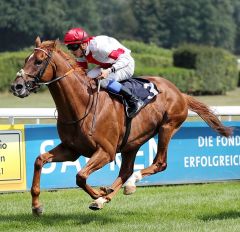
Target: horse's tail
(208,116)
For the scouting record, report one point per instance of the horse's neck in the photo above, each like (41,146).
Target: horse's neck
(70,94)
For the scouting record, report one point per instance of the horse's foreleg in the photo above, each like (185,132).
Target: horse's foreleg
(35,190)
(97,161)
(58,154)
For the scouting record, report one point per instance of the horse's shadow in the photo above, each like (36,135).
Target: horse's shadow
(56,219)
(52,219)
(232,214)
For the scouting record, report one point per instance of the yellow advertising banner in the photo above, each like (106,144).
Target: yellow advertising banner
(12,158)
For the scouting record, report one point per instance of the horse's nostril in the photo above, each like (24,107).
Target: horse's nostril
(19,87)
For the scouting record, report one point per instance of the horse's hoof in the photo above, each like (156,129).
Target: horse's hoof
(98,203)
(106,190)
(37,211)
(128,190)
(95,206)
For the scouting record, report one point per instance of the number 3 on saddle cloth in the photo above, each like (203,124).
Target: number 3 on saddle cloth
(141,88)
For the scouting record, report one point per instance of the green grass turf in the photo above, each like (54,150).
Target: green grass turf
(206,207)
(231,98)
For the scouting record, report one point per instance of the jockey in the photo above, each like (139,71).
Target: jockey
(114,63)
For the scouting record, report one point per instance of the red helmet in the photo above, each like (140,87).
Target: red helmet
(76,36)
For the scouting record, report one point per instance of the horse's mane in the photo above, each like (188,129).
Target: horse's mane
(54,45)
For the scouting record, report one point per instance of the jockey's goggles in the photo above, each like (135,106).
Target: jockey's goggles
(73,47)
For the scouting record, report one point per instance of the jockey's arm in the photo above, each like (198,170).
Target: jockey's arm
(112,51)
(121,62)
(117,56)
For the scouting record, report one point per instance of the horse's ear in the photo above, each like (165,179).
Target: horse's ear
(56,43)
(38,42)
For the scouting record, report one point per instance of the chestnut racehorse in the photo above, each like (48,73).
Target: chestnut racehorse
(92,123)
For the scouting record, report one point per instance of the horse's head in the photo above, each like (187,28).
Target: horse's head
(38,69)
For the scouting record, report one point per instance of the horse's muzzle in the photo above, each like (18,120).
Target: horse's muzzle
(19,90)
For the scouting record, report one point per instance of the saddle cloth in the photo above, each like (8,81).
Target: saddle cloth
(142,88)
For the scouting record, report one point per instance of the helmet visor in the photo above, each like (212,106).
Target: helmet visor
(73,47)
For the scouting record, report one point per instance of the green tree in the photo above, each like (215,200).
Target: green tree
(170,23)
(146,14)
(167,23)
(217,25)
(236,17)
(181,19)
(117,19)
(21,21)
(83,14)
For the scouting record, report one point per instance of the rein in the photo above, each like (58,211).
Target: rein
(56,79)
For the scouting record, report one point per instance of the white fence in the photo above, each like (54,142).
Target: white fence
(50,113)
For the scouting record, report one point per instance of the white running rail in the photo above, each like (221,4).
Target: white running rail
(28,113)
(50,113)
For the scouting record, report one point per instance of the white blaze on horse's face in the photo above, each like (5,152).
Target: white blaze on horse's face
(30,57)
(20,73)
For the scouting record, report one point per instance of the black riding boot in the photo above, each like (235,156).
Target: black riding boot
(133,102)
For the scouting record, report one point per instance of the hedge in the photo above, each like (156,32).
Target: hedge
(200,70)
(185,79)
(148,49)
(149,60)
(216,68)
(149,55)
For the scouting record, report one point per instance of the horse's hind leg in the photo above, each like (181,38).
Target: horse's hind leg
(126,171)
(159,164)
(58,154)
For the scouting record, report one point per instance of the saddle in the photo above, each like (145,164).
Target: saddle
(141,88)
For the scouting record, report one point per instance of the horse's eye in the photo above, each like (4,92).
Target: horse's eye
(38,62)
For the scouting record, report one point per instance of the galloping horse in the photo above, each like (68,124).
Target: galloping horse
(92,123)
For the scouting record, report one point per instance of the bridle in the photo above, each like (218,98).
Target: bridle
(46,62)
(37,83)
(37,78)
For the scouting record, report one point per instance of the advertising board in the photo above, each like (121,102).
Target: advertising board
(196,154)
(12,158)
